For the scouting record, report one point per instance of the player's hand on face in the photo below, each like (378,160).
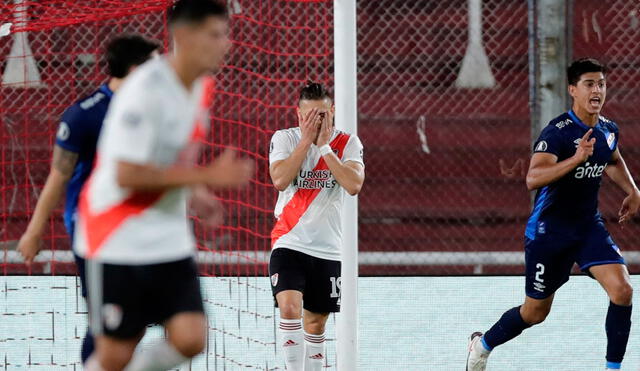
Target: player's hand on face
(326,130)
(29,247)
(629,207)
(309,125)
(229,171)
(585,147)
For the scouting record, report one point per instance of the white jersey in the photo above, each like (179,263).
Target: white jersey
(308,212)
(153,119)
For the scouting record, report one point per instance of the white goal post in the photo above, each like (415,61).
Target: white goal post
(346,94)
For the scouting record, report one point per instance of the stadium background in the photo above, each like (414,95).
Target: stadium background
(445,191)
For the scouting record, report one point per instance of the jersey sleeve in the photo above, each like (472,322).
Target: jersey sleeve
(134,124)
(550,141)
(354,151)
(71,130)
(280,147)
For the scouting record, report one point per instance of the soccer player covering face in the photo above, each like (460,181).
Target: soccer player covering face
(75,148)
(572,154)
(312,166)
(132,223)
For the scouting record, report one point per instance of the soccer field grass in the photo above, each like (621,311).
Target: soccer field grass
(406,323)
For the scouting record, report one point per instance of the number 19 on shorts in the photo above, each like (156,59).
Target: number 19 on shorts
(336,282)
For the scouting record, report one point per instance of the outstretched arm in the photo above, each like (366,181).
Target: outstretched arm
(619,173)
(62,166)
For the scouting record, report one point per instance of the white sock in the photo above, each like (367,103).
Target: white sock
(291,341)
(159,357)
(92,364)
(314,352)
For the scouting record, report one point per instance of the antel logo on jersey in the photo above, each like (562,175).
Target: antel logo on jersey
(590,171)
(542,146)
(315,179)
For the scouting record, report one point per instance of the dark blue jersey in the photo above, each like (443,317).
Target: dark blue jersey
(78,132)
(565,205)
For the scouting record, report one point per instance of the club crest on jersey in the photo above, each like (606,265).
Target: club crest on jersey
(274,279)
(542,146)
(611,138)
(577,142)
(112,316)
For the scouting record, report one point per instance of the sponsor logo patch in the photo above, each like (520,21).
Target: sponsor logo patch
(542,146)
(274,279)
(63,131)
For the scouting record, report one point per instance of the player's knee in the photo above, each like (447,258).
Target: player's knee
(290,310)
(190,345)
(621,294)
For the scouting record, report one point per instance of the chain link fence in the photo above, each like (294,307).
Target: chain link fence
(610,32)
(444,116)
(51,59)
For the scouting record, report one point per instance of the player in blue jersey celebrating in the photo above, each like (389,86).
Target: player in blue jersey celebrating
(75,149)
(565,227)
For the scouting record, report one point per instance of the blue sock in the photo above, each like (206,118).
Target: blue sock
(617,326)
(509,326)
(87,346)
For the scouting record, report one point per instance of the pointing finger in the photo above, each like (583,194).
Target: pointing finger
(587,134)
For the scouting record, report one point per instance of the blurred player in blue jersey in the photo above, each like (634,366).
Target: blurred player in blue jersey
(75,149)
(565,227)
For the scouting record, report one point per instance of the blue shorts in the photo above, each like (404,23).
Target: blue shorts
(549,258)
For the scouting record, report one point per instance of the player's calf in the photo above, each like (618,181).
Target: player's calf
(111,354)
(314,340)
(290,333)
(186,339)
(535,311)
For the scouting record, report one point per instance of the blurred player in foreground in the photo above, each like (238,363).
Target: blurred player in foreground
(312,166)
(75,148)
(565,226)
(133,226)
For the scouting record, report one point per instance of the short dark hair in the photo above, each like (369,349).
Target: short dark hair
(126,51)
(196,11)
(582,66)
(314,91)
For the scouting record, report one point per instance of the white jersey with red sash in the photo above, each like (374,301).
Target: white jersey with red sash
(153,120)
(308,212)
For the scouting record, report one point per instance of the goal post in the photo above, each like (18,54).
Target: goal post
(345,85)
